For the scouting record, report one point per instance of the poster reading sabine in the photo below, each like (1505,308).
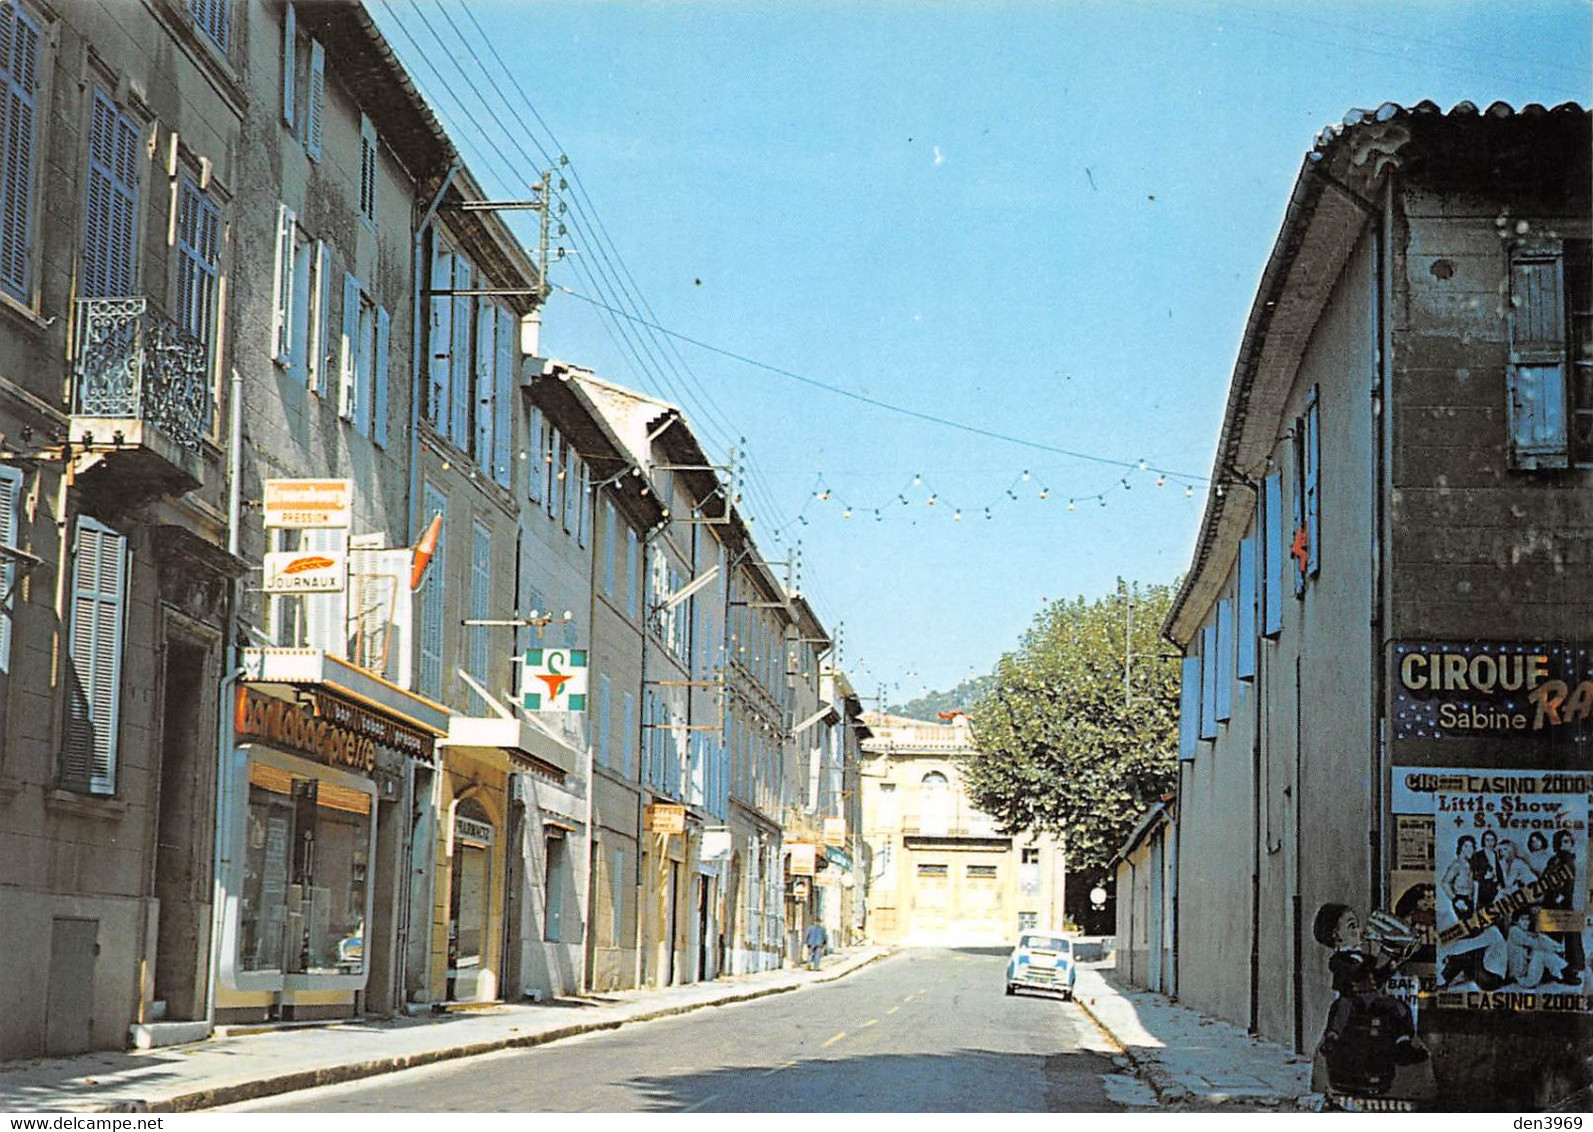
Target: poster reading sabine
(1510,869)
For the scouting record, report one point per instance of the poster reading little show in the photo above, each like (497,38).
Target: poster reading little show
(1512,897)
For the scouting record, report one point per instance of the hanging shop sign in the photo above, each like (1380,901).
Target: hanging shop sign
(664,817)
(305,572)
(386,733)
(301,504)
(298,728)
(835,831)
(804,858)
(1457,690)
(716,843)
(553,680)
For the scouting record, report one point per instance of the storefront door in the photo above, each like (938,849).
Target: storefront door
(468,888)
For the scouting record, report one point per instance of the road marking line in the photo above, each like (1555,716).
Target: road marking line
(777,1068)
(833,1040)
(870,1022)
(893,1010)
(700,1103)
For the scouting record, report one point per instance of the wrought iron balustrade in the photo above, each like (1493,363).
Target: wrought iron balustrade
(131,361)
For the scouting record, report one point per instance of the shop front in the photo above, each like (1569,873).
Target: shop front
(314,777)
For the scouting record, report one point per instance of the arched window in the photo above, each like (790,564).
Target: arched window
(934,803)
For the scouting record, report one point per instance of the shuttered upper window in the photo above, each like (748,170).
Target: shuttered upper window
(198,259)
(367,169)
(110,218)
(94,658)
(1550,374)
(480,602)
(212,18)
(10,505)
(19,79)
(431,598)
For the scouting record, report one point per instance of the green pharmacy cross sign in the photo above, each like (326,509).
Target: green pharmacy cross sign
(553,680)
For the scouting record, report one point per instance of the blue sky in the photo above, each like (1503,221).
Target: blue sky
(1044,221)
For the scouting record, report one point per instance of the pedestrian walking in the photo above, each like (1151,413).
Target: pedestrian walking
(815,939)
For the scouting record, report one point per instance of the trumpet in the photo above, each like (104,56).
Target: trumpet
(1390,935)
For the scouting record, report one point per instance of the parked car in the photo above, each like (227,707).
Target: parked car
(1042,961)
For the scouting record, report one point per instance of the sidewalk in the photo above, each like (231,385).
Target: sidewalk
(231,1069)
(1190,1059)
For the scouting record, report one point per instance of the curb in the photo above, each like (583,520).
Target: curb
(217,1096)
(1170,1091)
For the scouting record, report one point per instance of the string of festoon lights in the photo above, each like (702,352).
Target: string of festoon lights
(918,496)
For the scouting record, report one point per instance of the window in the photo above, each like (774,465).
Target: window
(471,392)
(605,718)
(981,872)
(610,537)
(534,478)
(302,297)
(10,507)
(367,170)
(198,257)
(933,870)
(1028,920)
(1029,856)
(1550,373)
(480,602)
(210,17)
(633,551)
(432,598)
(110,215)
(628,739)
(19,80)
(303,85)
(94,658)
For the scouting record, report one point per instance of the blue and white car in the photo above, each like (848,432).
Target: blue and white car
(1042,961)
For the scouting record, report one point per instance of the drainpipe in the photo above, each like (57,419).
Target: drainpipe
(641,787)
(221,838)
(585,982)
(1382,455)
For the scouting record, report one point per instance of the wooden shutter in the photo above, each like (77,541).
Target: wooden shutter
(433,589)
(1297,509)
(348,366)
(1313,482)
(480,602)
(459,368)
(1245,612)
(19,54)
(282,288)
(110,227)
(1189,708)
(326,615)
(94,662)
(1536,376)
(1274,555)
(290,63)
(368,169)
(439,341)
(605,706)
(10,505)
(485,384)
(321,306)
(315,101)
(379,376)
(507,398)
(1208,682)
(1224,661)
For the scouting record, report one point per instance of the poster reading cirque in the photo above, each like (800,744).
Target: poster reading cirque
(1511,879)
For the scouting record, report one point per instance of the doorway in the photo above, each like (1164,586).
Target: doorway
(181,838)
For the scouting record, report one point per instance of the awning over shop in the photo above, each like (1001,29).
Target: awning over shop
(528,746)
(313,668)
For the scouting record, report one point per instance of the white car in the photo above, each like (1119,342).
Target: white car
(1042,961)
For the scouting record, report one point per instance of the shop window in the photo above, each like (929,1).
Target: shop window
(306,872)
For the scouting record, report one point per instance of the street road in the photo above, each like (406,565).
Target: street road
(922,1031)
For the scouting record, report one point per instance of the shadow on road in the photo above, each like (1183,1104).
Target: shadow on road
(961,1080)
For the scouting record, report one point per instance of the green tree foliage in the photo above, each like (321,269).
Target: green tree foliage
(1065,746)
(961,698)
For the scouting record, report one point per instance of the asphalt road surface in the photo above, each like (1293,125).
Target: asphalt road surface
(922,1031)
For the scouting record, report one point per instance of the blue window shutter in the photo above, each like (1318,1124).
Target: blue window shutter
(315,101)
(534,474)
(1208,682)
(1313,482)
(1274,556)
(110,220)
(18,87)
(1536,375)
(1245,612)
(290,63)
(282,287)
(10,506)
(348,366)
(628,738)
(1296,510)
(94,687)
(379,370)
(507,397)
(459,366)
(433,592)
(485,382)
(1224,661)
(1189,708)
(440,343)
(605,691)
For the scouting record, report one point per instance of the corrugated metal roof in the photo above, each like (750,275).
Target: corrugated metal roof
(1351,157)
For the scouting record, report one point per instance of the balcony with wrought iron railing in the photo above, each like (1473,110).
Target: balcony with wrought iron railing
(140,394)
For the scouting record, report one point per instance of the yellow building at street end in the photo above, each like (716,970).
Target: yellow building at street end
(943,873)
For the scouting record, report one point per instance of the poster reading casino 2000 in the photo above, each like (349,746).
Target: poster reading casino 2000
(1511,873)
